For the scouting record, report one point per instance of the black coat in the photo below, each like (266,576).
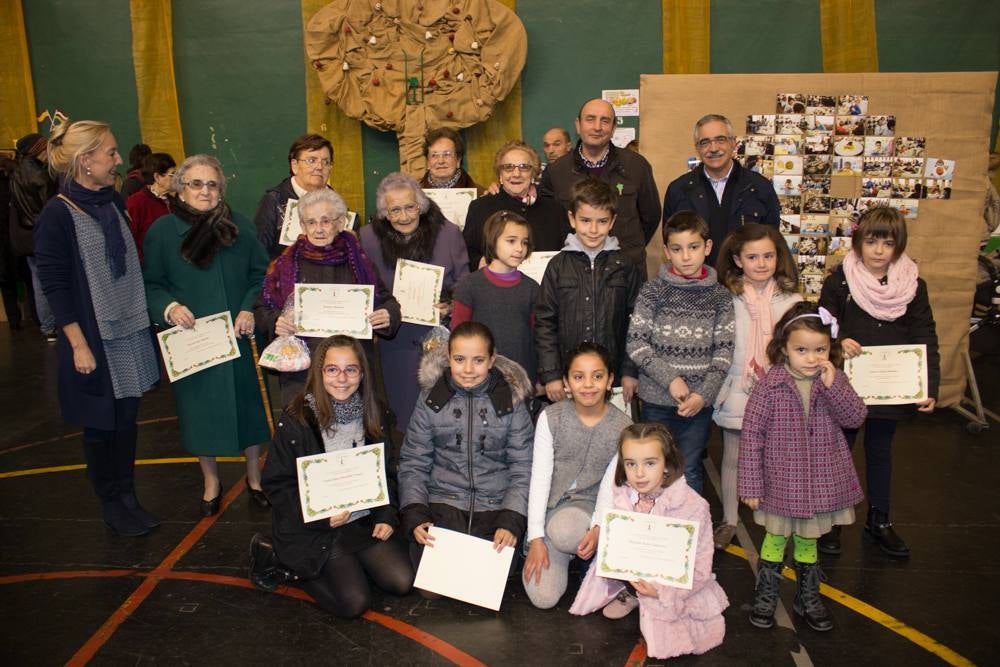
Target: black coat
(546,218)
(752,200)
(916,326)
(577,303)
(30,187)
(270,214)
(304,547)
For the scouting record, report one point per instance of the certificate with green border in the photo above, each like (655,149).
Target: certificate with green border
(889,374)
(210,342)
(657,549)
(346,480)
(417,288)
(324,309)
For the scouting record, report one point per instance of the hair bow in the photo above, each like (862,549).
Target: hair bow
(827,318)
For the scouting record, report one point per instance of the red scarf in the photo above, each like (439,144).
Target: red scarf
(284,270)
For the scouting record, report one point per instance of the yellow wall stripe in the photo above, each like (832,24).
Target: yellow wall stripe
(847,29)
(687,27)
(347,177)
(153,57)
(17,102)
(484,139)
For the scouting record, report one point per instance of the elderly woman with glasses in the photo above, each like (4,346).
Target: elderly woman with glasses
(407,225)
(203,259)
(328,254)
(444,150)
(310,161)
(516,166)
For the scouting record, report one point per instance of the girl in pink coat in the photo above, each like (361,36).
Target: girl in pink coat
(649,478)
(796,471)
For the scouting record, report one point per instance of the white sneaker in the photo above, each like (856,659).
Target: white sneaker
(621,606)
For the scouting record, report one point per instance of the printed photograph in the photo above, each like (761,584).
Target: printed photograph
(790,103)
(815,203)
(790,124)
(787,145)
(813,264)
(817,144)
(819,124)
(816,185)
(937,189)
(821,104)
(848,146)
(939,168)
(878,146)
(839,246)
(808,246)
(867,203)
(760,124)
(790,205)
(907,188)
(789,224)
(907,167)
(880,126)
(910,146)
(787,165)
(817,165)
(876,187)
(790,186)
(851,126)
(908,207)
(842,226)
(852,105)
(814,225)
(878,167)
(759,144)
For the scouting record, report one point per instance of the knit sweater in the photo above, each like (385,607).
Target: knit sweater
(681,327)
(507,308)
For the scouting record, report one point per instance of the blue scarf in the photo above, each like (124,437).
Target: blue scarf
(100,205)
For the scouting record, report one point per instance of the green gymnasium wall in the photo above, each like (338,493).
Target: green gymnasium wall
(240,73)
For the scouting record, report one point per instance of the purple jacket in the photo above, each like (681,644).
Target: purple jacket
(677,621)
(798,467)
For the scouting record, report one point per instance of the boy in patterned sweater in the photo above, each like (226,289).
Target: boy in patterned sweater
(681,338)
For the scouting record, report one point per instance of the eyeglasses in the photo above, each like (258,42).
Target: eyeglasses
(313,161)
(351,371)
(708,141)
(442,155)
(198,184)
(323,222)
(511,168)
(408,209)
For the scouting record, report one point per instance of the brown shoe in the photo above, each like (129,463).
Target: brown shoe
(723,535)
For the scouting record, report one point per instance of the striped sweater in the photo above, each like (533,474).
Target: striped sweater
(681,328)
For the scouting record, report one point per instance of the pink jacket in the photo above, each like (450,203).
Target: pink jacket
(678,621)
(799,467)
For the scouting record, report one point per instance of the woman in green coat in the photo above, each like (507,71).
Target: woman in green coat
(201,260)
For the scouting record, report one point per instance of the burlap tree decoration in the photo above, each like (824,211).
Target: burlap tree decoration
(413,65)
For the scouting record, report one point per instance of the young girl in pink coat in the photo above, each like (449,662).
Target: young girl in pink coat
(650,478)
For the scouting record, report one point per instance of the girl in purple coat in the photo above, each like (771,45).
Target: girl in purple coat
(649,478)
(795,469)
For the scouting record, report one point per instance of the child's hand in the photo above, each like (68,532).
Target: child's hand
(752,503)
(503,538)
(827,373)
(382,531)
(422,536)
(588,545)
(630,386)
(678,389)
(537,560)
(555,391)
(645,588)
(339,519)
(851,347)
(691,405)
(927,406)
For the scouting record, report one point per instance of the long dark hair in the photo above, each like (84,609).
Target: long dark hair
(314,385)
(785,326)
(731,276)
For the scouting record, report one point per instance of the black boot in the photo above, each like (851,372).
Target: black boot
(808,603)
(145,518)
(120,519)
(829,543)
(765,593)
(879,530)
(266,573)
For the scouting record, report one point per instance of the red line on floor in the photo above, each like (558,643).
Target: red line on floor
(68,574)
(439,646)
(637,658)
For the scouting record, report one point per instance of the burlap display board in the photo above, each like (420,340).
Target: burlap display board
(951,109)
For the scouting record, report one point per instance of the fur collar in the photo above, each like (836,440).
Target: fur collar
(434,362)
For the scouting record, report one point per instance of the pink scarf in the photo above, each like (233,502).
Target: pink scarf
(883,302)
(758,304)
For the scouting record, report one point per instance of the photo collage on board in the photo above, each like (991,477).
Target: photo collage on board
(807,147)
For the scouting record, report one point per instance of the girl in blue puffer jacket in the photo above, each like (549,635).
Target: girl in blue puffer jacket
(465,464)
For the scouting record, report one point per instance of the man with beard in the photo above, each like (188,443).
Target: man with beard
(721,191)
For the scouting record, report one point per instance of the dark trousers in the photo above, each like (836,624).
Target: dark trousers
(878,459)
(110,455)
(342,587)
(690,434)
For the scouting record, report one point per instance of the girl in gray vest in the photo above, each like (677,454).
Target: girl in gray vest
(575,445)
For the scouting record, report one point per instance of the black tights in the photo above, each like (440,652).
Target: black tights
(342,587)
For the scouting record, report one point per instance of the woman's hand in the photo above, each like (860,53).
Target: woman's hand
(851,347)
(643,587)
(537,560)
(422,536)
(284,327)
(339,519)
(503,538)
(383,531)
(83,359)
(927,406)
(379,319)
(244,323)
(555,390)
(180,316)
(827,373)
(588,545)
(752,503)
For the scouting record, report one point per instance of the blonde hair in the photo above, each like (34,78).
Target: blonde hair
(69,142)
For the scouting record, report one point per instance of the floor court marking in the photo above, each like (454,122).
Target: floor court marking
(77,434)
(637,657)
